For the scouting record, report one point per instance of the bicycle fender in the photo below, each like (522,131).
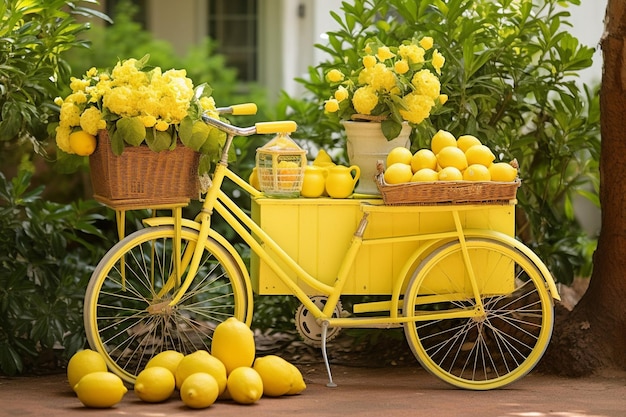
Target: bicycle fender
(420,253)
(504,238)
(190,224)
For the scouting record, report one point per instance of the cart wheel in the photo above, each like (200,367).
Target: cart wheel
(484,352)
(307,326)
(127,314)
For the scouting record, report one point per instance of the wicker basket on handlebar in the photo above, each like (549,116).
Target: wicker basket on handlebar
(140,177)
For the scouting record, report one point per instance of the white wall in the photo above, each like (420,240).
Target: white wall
(588,26)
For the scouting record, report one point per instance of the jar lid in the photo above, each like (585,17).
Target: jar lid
(283,144)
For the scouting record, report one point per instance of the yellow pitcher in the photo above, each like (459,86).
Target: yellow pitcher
(340,181)
(314,182)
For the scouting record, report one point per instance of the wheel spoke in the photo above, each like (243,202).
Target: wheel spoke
(130,319)
(496,347)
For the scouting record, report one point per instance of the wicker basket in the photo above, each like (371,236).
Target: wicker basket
(141,178)
(446,192)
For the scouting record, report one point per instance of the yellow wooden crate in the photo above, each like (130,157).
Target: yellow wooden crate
(316,233)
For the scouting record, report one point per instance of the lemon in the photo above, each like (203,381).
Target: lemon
(425,175)
(297,380)
(155,384)
(199,390)
(253,179)
(451,156)
(288,173)
(477,172)
(233,344)
(399,154)
(100,390)
(479,154)
(464,142)
(450,174)
(323,159)
(201,361)
(440,140)
(398,173)
(275,373)
(82,143)
(424,158)
(245,385)
(168,359)
(82,363)
(501,171)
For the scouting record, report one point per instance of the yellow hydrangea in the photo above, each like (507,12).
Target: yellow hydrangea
(158,99)
(418,107)
(334,76)
(401,67)
(365,99)
(384,53)
(369,61)
(341,94)
(426,83)
(389,82)
(63,138)
(438,61)
(412,53)
(427,42)
(380,77)
(69,115)
(91,121)
(331,105)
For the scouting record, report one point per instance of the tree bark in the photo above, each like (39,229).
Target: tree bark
(593,335)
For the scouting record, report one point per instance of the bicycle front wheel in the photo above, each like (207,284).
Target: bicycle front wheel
(128,316)
(492,350)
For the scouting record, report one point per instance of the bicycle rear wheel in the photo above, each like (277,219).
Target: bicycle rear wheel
(127,314)
(495,349)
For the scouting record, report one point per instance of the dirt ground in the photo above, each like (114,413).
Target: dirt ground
(381,379)
(376,391)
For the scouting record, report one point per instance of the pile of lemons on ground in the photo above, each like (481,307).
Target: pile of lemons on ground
(229,372)
(449,159)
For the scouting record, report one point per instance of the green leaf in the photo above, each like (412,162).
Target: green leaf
(117,142)
(193,134)
(159,141)
(391,129)
(132,130)
(214,144)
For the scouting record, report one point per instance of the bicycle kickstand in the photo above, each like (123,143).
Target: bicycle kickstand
(330,384)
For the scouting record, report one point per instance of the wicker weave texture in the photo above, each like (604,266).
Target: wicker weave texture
(446,192)
(141,177)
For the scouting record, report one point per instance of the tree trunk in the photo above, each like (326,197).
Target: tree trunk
(593,335)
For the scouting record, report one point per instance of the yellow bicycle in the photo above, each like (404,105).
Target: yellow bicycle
(475,303)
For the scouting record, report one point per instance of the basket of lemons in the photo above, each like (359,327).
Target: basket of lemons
(452,171)
(280,167)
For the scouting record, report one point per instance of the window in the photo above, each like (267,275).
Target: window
(233,25)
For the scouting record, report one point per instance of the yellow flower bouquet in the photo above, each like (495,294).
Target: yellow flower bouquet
(136,105)
(393,85)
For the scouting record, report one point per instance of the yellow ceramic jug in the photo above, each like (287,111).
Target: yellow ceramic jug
(340,181)
(314,182)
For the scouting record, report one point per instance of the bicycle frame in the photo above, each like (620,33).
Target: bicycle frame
(256,238)
(465,290)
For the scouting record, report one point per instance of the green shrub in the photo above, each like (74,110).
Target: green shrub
(511,76)
(47,253)
(34,36)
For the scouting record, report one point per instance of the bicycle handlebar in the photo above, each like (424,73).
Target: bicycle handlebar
(281,126)
(238,109)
